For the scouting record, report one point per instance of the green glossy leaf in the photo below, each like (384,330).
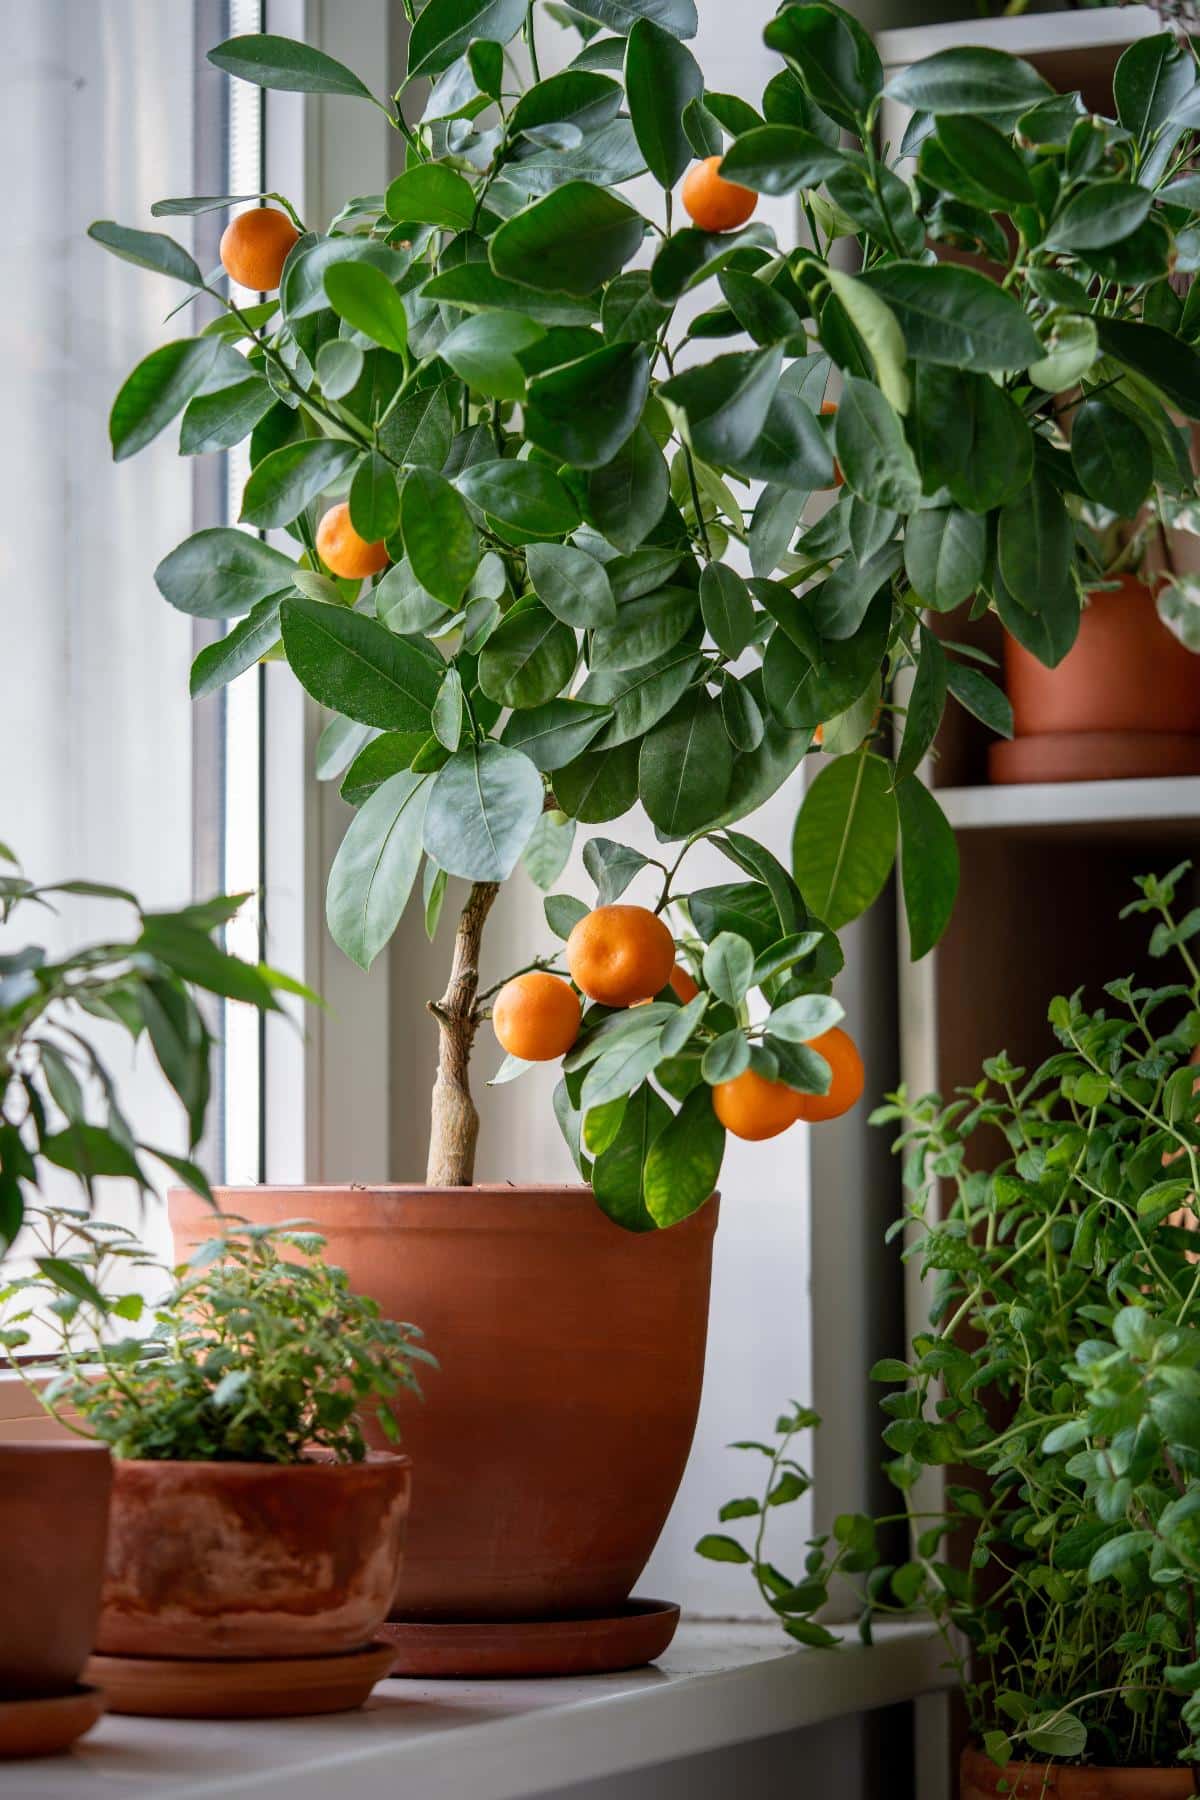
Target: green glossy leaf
(147,250)
(778,159)
(727,608)
(221,420)
(926,703)
(628,495)
(677,16)
(1168,364)
(526,495)
(444,29)
(583,412)
(642,696)
(834,57)
(645,630)
(572,584)
(598,784)
(844,842)
(220,573)
(804,687)
(476,287)
(1112,457)
(447,716)
(375,867)
(1100,214)
(684,1161)
(287,480)
(1035,542)
(840,604)
(721,406)
(662,77)
(685,768)
(431,194)
(355,666)
(231,655)
(790,450)
(367,300)
(970,438)
(439,538)
(956,316)
(619,1172)
(1151,77)
(928,865)
(529,658)
(285,64)
(987,157)
(160,387)
(374,498)
(483,351)
(872,450)
(556,733)
(945,550)
(483,805)
(879,330)
(571,241)
(968,80)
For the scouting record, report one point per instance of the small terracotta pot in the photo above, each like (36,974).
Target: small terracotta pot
(1124,672)
(980,1779)
(242,1560)
(559,1423)
(53,1524)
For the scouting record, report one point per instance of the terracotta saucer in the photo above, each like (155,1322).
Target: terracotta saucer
(161,1687)
(45,1727)
(635,1634)
(1093,756)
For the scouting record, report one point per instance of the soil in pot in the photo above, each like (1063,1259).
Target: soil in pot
(243,1560)
(1123,703)
(54,1508)
(980,1779)
(559,1422)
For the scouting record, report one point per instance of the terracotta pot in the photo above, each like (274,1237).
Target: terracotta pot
(53,1525)
(1125,672)
(556,1431)
(980,1779)
(242,1560)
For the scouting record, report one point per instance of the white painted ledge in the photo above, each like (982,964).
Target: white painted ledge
(1159,809)
(718,1684)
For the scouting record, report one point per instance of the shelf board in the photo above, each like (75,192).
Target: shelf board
(1029,34)
(718,1684)
(1157,811)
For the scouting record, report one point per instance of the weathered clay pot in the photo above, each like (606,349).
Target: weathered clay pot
(1123,702)
(53,1525)
(556,1430)
(241,1560)
(980,1779)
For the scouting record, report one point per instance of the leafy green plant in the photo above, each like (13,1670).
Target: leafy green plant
(499,367)
(259,1351)
(1058,1379)
(58,1099)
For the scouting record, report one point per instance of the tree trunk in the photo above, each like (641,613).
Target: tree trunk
(454,1127)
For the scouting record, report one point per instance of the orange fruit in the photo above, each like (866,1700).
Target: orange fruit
(255,246)
(536,1016)
(683,984)
(828,409)
(819,735)
(713,203)
(619,955)
(342,550)
(753,1107)
(845,1090)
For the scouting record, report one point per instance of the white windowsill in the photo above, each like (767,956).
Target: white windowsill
(719,1684)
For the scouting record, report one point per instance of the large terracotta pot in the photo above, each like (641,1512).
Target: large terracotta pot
(243,1560)
(53,1525)
(555,1432)
(980,1779)
(1123,702)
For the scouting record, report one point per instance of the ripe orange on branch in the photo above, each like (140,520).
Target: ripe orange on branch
(713,203)
(343,551)
(619,955)
(755,1108)
(536,1016)
(255,246)
(845,1090)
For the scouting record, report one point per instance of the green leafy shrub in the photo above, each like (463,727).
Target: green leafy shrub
(53,1080)
(1058,1379)
(499,367)
(259,1351)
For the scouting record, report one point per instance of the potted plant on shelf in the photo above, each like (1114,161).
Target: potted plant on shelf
(1058,1381)
(254,1544)
(516,483)
(54,1081)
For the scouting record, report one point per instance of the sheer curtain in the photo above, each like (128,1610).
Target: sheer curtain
(95,720)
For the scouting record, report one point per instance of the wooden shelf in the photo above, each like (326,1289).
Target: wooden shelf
(1030,34)
(1159,812)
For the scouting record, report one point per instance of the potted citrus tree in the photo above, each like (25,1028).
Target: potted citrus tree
(546,561)
(60,1111)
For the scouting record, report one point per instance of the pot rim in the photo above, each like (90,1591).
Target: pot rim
(977,1753)
(54,1447)
(374,1459)
(472,1208)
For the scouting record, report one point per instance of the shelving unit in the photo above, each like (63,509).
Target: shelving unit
(1045,868)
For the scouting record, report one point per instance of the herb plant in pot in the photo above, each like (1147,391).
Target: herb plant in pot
(521,487)
(255,1543)
(59,1110)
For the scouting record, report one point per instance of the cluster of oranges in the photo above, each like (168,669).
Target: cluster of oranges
(622,956)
